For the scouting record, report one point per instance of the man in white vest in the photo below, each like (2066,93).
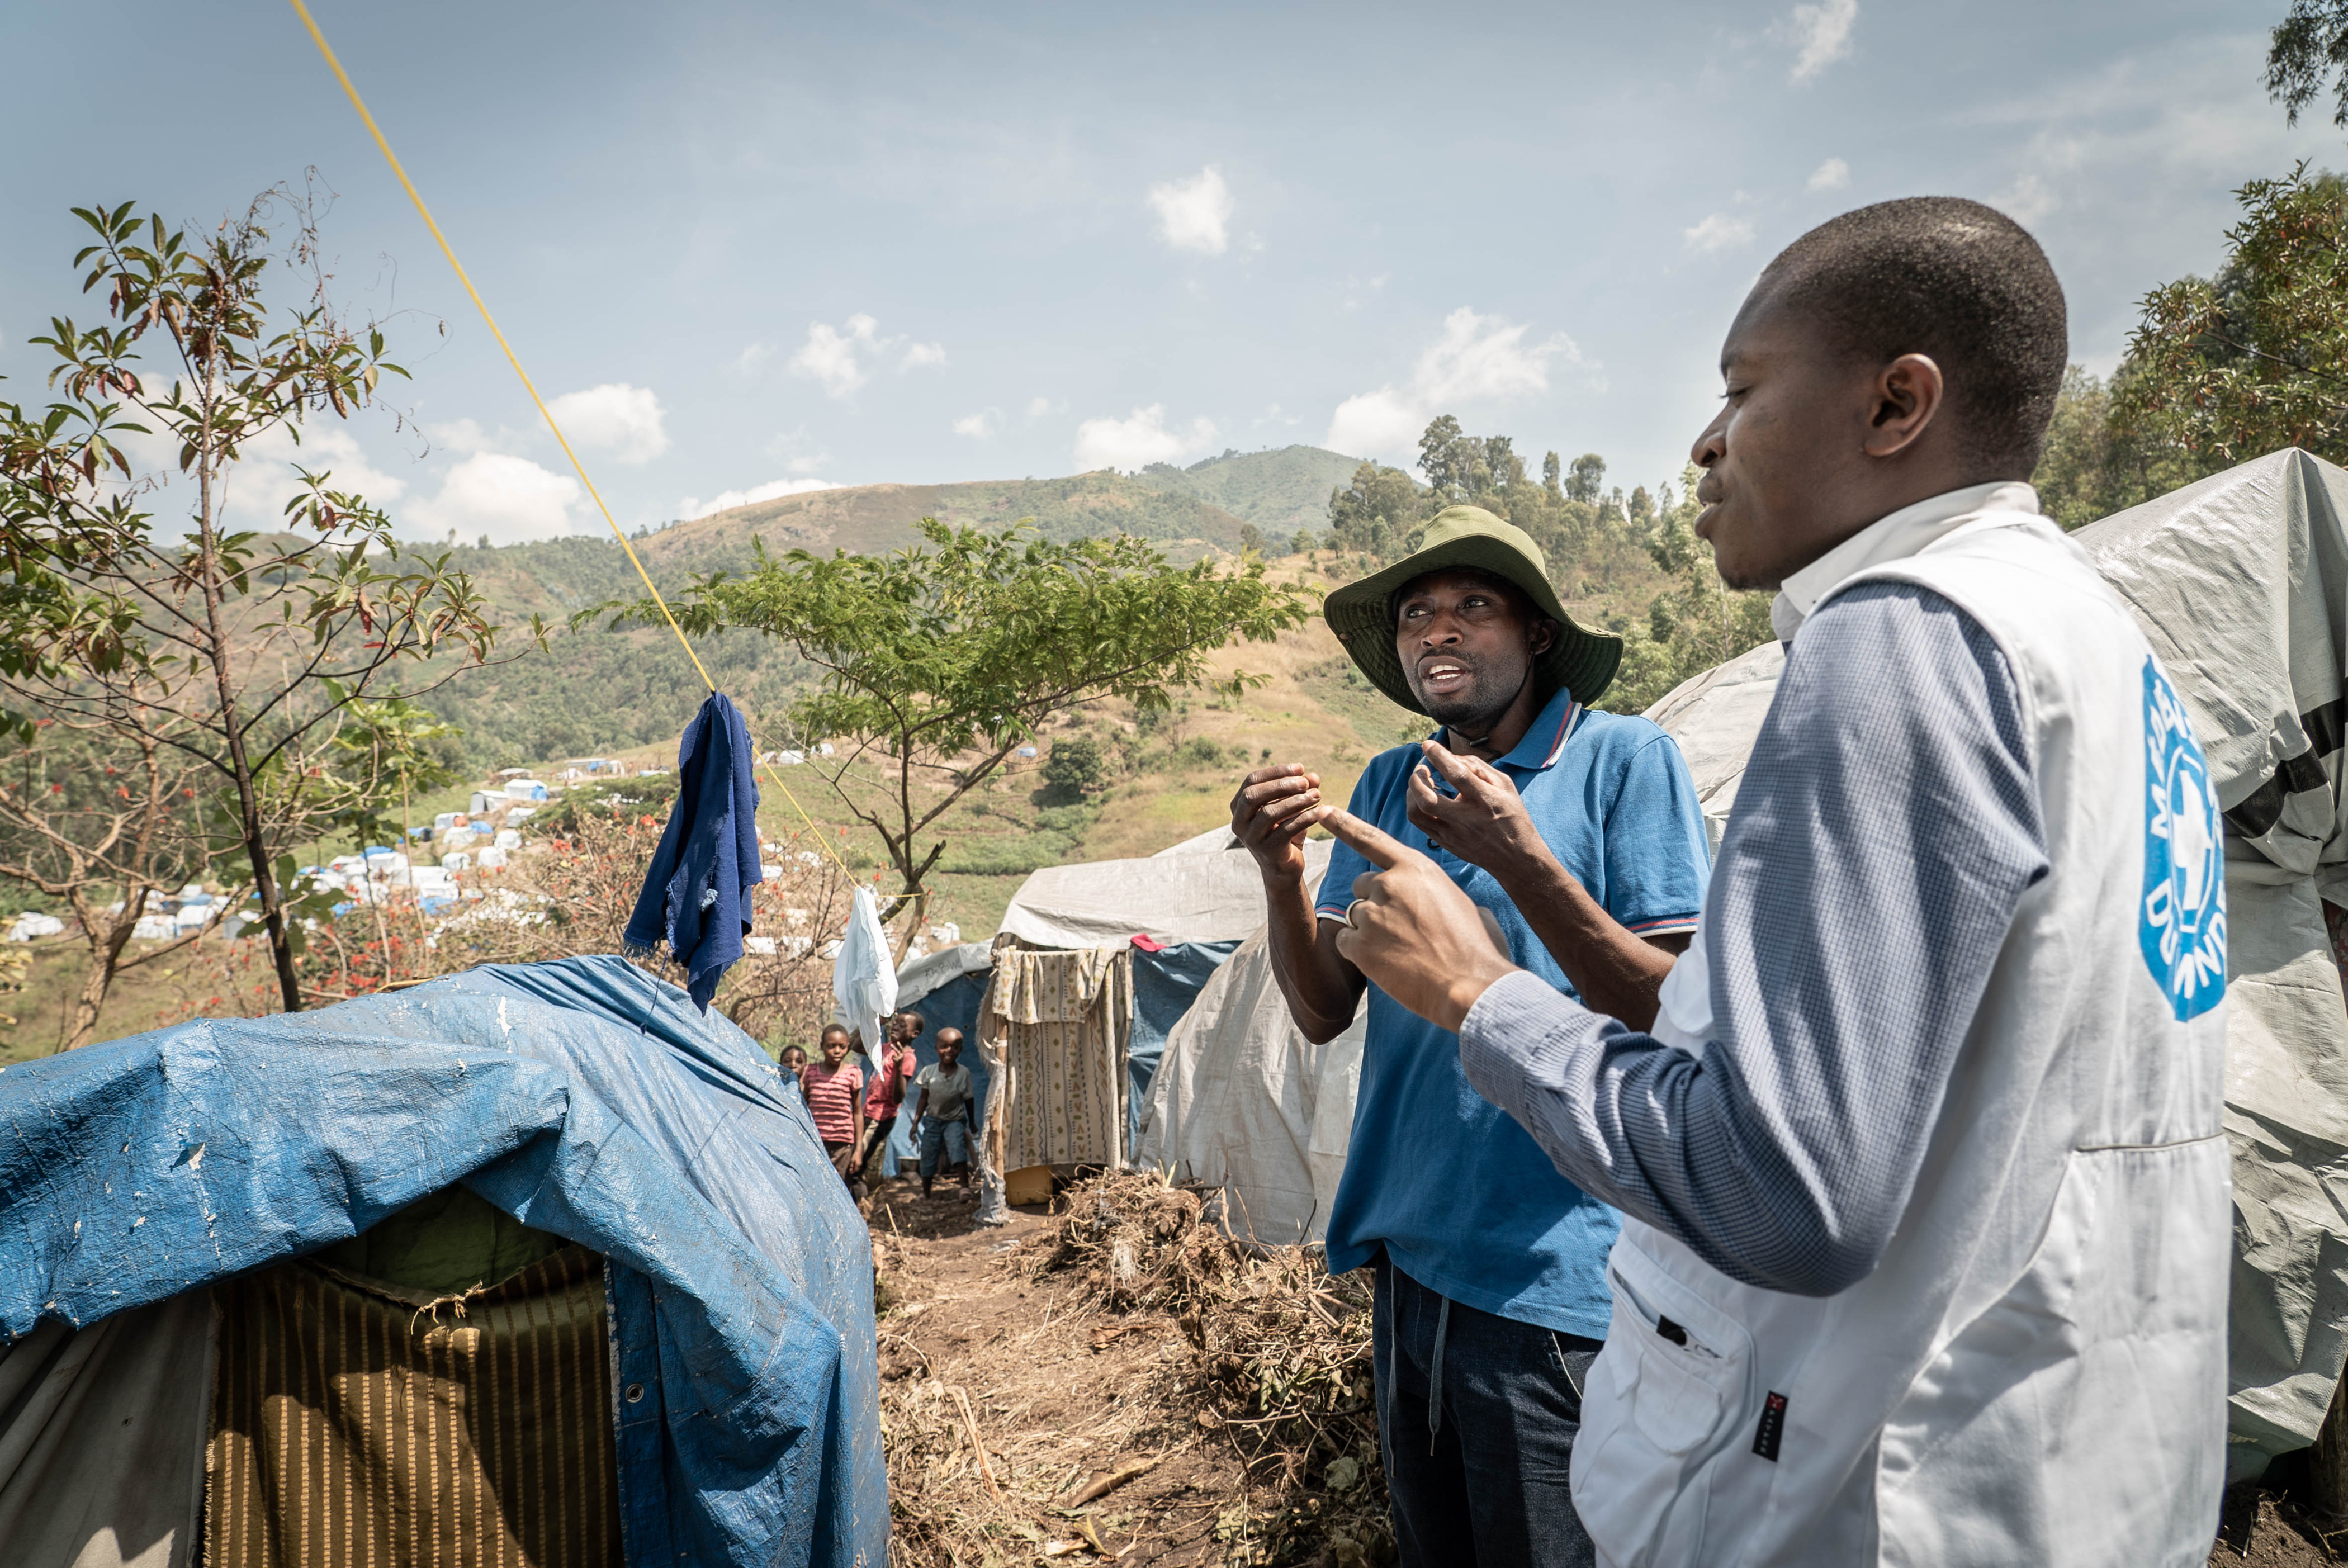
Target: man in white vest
(1926,1254)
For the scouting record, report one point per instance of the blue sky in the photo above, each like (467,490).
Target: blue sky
(753,248)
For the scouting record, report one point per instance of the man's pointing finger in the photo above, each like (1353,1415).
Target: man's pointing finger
(1380,849)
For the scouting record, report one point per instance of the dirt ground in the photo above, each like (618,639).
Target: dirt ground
(980,1340)
(1064,1393)
(2265,1528)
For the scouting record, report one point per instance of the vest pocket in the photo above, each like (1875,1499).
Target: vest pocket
(1670,1391)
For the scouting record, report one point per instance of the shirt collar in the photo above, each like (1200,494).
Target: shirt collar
(1903,533)
(1544,740)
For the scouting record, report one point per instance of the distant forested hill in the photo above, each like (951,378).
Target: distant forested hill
(1279,491)
(598,689)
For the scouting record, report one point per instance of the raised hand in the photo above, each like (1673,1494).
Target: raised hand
(1412,931)
(1485,824)
(1271,812)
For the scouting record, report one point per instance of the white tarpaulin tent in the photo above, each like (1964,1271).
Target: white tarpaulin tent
(1185,895)
(1245,1102)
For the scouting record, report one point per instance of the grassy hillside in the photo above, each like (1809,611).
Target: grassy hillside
(1279,491)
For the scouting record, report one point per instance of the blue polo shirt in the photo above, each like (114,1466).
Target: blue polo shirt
(1458,1194)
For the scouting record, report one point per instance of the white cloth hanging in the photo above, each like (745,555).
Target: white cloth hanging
(864,974)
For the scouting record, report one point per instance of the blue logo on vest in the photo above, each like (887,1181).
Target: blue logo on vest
(2182,921)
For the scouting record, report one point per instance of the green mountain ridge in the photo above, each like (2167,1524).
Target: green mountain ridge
(596,690)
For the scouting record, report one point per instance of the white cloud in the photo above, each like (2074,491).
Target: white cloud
(752,357)
(263,481)
(1831,175)
(1195,214)
(1385,421)
(459,435)
(1718,233)
(844,358)
(979,425)
(1138,441)
(510,499)
(808,464)
(1477,359)
(624,422)
(726,500)
(2027,200)
(1820,35)
(1039,407)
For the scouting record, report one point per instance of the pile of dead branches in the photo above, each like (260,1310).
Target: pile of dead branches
(1279,1367)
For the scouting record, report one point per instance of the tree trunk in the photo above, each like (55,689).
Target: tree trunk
(105,953)
(248,799)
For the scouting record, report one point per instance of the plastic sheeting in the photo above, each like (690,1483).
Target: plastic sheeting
(1243,1101)
(1166,984)
(102,1438)
(1207,896)
(1714,716)
(1238,1102)
(584,1098)
(864,976)
(2241,584)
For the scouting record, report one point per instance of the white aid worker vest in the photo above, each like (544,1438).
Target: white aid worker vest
(2035,1371)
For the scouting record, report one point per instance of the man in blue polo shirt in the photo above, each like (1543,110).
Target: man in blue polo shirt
(1577,834)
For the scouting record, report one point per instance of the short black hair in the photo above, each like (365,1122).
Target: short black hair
(1943,276)
(920,1024)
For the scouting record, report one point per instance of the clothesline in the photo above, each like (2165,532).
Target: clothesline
(398,172)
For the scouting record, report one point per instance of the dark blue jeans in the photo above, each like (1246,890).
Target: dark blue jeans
(1477,1416)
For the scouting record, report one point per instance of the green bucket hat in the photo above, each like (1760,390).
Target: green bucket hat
(1581,662)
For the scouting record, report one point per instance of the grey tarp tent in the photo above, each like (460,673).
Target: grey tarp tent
(2241,584)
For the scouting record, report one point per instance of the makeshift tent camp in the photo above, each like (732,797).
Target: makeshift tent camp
(1064,1041)
(219,1244)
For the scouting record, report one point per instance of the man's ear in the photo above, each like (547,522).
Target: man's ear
(1544,636)
(1907,396)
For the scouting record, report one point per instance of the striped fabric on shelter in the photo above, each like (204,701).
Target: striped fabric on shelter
(356,1423)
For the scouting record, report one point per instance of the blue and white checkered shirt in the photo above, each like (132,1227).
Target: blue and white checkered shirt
(1885,832)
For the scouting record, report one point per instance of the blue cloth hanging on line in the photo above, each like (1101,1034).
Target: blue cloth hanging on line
(696,892)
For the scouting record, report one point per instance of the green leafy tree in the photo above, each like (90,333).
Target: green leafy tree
(2308,48)
(1251,539)
(1695,623)
(1586,479)
(1550,470)
(938,661)
(1077,768)
(2223,369)
(1377,513)
(239,650)
(108,822)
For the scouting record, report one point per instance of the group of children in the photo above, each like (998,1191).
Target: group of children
(855,1111)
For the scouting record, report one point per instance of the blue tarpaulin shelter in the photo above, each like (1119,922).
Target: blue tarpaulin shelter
(583,1097)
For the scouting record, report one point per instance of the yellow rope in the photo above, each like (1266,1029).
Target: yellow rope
(578,468)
